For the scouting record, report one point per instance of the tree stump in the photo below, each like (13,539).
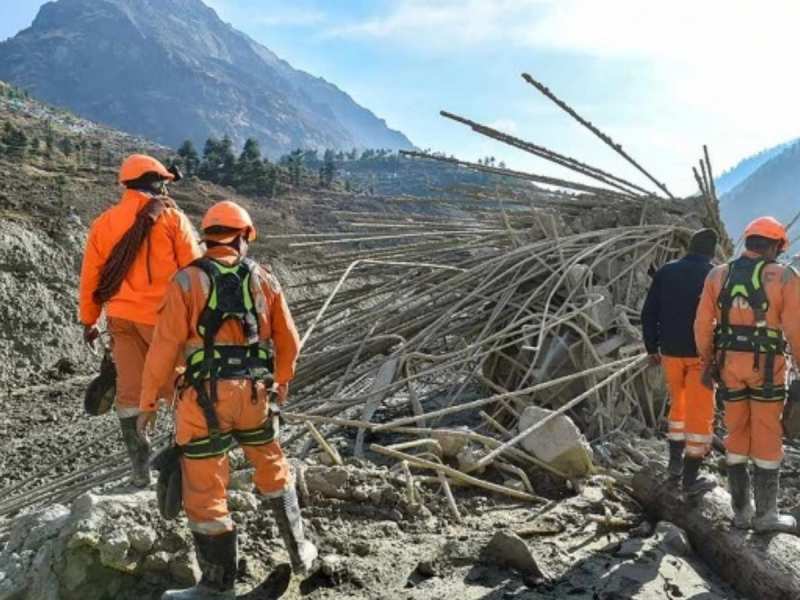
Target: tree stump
(760,566)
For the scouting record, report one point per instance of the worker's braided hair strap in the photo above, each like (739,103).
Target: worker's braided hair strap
(125,250)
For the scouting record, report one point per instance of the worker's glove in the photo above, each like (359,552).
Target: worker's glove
(654,360)
(281,393)
(146,422)
(90,334)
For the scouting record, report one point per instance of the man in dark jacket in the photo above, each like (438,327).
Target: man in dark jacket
(668,323)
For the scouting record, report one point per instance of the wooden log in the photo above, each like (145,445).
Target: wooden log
(758,566)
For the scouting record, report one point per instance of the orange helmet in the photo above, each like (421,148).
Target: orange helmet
(229,214)
(770,228)
(137,165)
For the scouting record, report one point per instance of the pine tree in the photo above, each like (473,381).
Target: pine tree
(249,169)
(49,140)
(295,162)
(218,161)
(189,158)
(270,180)
(15,141)
(328,169)
(66,146)
(228,161)
(210,167)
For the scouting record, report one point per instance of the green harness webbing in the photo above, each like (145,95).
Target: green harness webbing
(745,282)
(229,298)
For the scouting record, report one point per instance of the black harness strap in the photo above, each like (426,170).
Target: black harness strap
(745,282)
(229,298)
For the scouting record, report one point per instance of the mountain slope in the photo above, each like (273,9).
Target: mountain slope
(746,167)
(773,189)
(171,70)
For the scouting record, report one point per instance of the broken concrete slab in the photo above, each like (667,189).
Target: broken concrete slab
(559,442)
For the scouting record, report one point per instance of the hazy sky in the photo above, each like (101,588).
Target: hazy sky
(662,78)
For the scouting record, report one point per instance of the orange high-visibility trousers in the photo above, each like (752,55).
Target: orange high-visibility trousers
(691,412)
(129,344)
(753,421)
(205,480)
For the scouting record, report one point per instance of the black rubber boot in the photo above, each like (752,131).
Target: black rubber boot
(675,466)
(286,510)
(741,502)
(692,484)
(768,519)
(217,557)
(138,452)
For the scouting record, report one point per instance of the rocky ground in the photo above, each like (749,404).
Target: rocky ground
(374,543)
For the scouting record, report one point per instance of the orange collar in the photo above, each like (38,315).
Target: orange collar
(223,254)
(139,199)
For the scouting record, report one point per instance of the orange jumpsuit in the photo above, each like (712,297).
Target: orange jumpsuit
(238,410)
(132,311)
(691,415)
(753,423)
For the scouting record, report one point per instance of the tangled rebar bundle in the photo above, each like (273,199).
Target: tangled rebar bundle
(471,307)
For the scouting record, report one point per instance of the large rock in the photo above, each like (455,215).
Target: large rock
(113,546)
(558,442)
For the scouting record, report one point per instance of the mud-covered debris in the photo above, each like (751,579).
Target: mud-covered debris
(240,501)
(507,549)
(673,538)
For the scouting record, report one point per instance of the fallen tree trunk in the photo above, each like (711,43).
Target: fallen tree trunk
(758,566)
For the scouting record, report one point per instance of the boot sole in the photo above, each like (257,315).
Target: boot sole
(775,529)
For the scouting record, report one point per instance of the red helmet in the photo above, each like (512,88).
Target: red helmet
(137,165)
(229,214)
(770,228)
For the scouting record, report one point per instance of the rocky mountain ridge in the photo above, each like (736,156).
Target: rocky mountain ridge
(772,189)
(172,70)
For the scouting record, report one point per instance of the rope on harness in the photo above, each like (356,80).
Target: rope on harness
(125,250)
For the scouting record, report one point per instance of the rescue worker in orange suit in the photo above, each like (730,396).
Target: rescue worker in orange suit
(668,324)
(130,282)
(749,309)
(220,315)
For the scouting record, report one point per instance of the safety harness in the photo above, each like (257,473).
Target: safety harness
(745,283)
(229,298)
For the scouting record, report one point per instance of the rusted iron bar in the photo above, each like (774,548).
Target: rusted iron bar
(607,139)
(547,154)
(573,185)
(713,186)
